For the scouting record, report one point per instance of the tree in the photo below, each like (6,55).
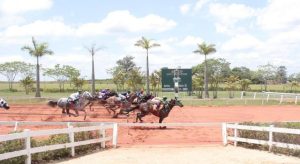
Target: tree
(127,72)
(38,50)
(241,72)
(61,74)
(205,50)
(244,83)
(197,84)
(217,70)
(11,69)
(93,51)
(155,81)
(267,73)
(71,73)
(281,75)
(135,78)
(146,44)
(78,82)
(231,82)
(27,83)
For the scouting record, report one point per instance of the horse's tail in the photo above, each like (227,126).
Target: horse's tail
(52,103)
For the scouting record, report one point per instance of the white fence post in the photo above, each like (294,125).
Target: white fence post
(296,99)
(254,96)
(271,137)
(242,94)
(102,133)
(16,126)
(115,135)
(71,138)
(224,134)
(27,146)
(268,96)
(235,134)
(281,99)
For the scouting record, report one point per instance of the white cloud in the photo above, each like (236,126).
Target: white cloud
(200,4)
(115,22)
(242,42)
(190,41)
(279,15)
(124,21)
(21,6)
(40,28)
(227,15)
(185,8)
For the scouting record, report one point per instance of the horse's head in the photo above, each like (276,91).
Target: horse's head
(4,104)
(176,102)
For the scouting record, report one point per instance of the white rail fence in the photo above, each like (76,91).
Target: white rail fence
(271,129)
(266,96)
(27,134)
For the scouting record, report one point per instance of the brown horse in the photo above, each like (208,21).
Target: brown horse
(147,108)
(117,106)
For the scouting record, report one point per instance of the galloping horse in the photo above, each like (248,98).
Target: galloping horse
(64,104)
(102,101)
(147,108)
(114,103)
(3,104)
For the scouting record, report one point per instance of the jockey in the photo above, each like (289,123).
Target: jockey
(101,93)
(156,101)
(3,104)
(165,102)
(140,95)
(124,95)
(74,97)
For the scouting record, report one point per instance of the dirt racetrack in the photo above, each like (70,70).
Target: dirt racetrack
(129,136)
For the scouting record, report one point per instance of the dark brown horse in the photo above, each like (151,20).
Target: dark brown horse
(147,108)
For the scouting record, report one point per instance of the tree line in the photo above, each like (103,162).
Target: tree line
(126,75)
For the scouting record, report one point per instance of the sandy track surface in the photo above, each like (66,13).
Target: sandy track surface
(182,155)
(153,135)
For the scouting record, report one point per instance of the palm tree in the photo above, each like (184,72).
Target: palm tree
(38,50)
(205,50)
(146,44)
(93,50)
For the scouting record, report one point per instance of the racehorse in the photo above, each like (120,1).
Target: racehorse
(114,103)
(136,103)
(102,101)
(65,105)
(147,108)
(4,104)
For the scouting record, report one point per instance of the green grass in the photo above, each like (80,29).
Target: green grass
(50,91)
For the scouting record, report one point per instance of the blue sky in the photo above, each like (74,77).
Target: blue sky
(246,33)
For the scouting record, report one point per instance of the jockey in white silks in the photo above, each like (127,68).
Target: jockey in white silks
(74,97)
(157,101)
(123,96)
(101,93)
(3,104)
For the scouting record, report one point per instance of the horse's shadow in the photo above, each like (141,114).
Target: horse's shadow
(154,128)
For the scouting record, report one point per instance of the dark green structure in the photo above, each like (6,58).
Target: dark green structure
(185,82)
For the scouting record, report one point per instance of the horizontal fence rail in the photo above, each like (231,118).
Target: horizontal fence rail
(27,134)
(270,142)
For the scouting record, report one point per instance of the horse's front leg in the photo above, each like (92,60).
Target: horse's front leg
(160,121)
(84,114)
